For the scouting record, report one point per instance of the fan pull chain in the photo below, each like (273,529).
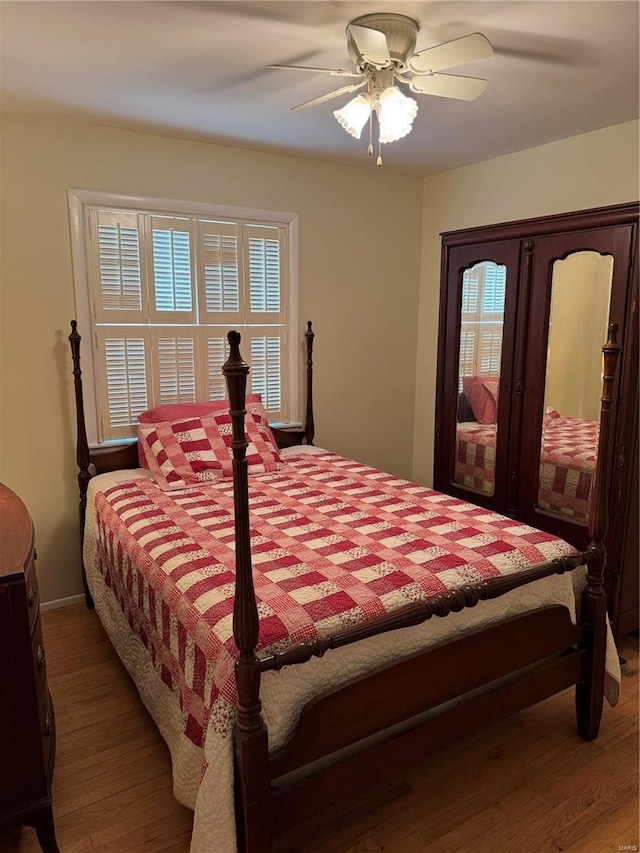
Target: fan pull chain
(370,146)
(379,158)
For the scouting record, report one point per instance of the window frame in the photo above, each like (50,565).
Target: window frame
(78,202)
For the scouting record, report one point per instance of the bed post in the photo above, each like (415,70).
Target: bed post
(250,742)
(82,447)
(309,426)
(593,612)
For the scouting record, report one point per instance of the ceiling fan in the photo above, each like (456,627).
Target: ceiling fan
(382,47)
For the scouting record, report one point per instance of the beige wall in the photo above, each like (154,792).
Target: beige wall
(360,232)
(586,171)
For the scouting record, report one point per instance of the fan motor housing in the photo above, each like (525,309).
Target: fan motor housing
(400,31)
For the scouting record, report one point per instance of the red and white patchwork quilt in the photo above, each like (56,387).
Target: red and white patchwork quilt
(476,456)
(567,466)
(334,542)
(567,462)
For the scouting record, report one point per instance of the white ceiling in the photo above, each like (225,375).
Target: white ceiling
(198,70)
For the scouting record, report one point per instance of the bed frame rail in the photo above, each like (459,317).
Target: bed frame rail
(377,764)
(406,689)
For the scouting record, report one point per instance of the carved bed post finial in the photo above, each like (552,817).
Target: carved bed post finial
(589,693)
(599,511)
(82,445)
(245,614)
(249,735)
(309,426)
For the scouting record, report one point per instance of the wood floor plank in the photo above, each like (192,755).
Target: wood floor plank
(525,785)
(627,837)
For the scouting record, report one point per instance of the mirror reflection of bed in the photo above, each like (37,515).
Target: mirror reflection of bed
(580,297)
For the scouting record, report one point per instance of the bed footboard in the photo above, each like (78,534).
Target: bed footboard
(568,654)
(346,715)
(376,764)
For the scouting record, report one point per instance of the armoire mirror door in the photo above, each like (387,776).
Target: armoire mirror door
(577,288)
(476,396)
(578,322)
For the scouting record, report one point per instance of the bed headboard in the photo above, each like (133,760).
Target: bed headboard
(122,457)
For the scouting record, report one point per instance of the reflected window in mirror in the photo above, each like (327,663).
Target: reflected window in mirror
(481,329)
(578,318)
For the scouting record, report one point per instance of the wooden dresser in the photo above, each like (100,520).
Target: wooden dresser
(27,726)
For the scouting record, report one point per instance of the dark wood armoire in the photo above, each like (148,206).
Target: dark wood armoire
(524,311)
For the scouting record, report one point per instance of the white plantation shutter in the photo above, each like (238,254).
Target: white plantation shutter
(172,270)
(219,270)
(482,317)
(470,288)
(493,286)
(266,268)
(125,379)
(467,354)
(264,263)
(174,365)
(495,283)
(266,370)
(164,291)
(116,277)
(216,353)
(490,352)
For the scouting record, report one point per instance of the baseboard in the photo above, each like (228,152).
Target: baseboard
(61,602)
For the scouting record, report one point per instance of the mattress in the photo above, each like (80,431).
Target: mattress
(174,634)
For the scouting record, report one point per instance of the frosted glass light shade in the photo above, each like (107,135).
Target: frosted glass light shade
(396,114)
(354,115)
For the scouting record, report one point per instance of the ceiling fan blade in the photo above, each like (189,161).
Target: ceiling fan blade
(449,86)
(371,44)
(342,91)
(334,72)
(469,48)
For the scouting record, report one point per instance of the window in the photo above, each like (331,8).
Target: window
(163,286)
(482,320)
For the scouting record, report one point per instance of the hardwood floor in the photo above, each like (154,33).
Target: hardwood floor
(528,785)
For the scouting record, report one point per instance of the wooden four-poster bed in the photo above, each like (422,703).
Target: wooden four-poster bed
(173,583)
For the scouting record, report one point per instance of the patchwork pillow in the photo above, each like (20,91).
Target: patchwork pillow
(482,394)
(176,411)
(181,411)
(192,451)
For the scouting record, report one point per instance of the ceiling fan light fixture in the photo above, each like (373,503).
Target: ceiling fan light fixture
(354,115)
(382,47)
(396,113)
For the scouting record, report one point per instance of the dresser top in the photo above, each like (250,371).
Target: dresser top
(16,534)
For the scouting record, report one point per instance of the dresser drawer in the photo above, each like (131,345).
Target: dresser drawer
(47,734)
(31,588)
(39,661)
